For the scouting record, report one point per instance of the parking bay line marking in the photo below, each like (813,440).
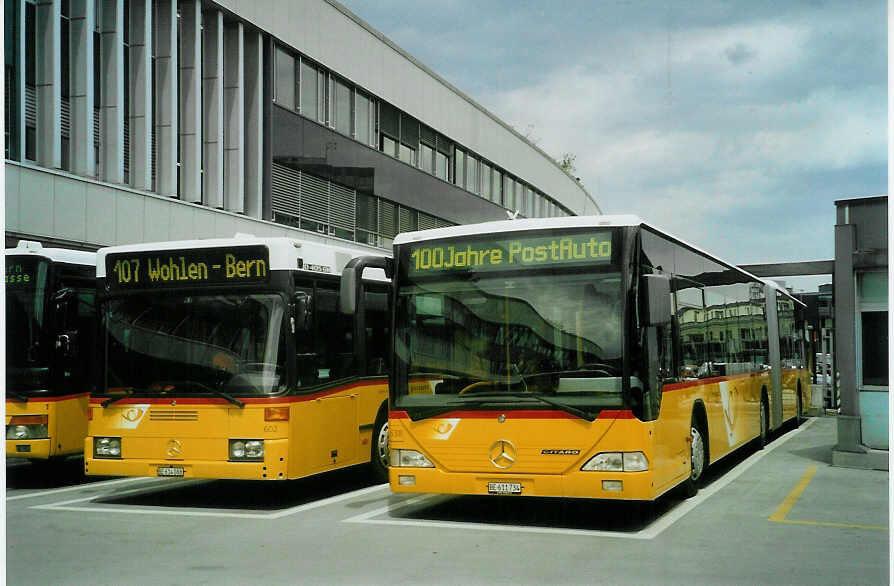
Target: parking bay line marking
(101,484)
(781,513)
(68,506)
(651,532)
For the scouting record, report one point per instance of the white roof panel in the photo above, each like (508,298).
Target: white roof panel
(30,248)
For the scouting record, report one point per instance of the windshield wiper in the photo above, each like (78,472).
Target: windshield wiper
(111,400)
(204,387)
(17,396)
(564,407)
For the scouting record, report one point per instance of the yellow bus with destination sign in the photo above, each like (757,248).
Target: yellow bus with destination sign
(50,346)
(595,357)
(229,358)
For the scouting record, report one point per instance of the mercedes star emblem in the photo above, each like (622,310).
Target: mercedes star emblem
(503,454)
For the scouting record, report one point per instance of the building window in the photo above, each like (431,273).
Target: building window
(460,162)
(310,103)
(426,158)
(389,146)
(874,357)
(342,107)
(485,181)
(441,166)
(284,79)
(472,174)
(363,118)
(496,194)
(407,154)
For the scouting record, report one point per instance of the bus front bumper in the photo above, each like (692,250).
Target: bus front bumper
(599,485)
(273,467)
(33,449)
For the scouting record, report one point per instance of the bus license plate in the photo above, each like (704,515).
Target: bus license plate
(504,487)
(170,471)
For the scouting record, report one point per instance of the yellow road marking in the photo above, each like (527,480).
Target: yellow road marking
(785,508)
(782,511)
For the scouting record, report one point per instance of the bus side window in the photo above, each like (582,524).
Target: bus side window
(332,339)
(377,334)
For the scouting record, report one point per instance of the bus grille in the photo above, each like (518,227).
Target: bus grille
(173,415)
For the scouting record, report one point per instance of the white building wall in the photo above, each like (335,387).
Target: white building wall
(44,204)
(330,34)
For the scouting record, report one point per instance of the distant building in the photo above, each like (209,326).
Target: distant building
(140,120)
(861,331)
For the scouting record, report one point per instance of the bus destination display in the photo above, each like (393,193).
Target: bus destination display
(21,272)
(184,268)
(511,253)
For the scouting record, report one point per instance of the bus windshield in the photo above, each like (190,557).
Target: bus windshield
(512,338)
(229,344)
(27,341)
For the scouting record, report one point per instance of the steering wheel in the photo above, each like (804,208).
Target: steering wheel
(481,383)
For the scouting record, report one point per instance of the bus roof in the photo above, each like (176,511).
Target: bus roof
(284,253)
(64,255)
(604,221)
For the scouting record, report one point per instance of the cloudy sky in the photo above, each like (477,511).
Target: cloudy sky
(735,125)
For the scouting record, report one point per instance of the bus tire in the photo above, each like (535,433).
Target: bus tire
(764,435)
(379,454)
(698,457)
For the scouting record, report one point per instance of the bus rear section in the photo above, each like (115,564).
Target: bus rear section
(224,360)
(50,346)
(577,357)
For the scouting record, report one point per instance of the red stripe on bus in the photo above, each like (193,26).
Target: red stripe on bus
(493,414)
(707,381)
(215,401)
(520,414)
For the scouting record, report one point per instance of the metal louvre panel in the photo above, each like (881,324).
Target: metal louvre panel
(387,226)
(66,117)
(342,206)
(172,415)
(30,106)
(314,198)
(405,223)
(443,223)
(427,222)
(285,189)
(126,149)
(97,127)
(154,156)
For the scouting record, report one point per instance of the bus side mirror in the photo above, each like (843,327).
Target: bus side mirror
(350,288)
(303,311)
(657,302)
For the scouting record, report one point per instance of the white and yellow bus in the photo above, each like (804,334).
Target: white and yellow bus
(590,357)
(228,358)
(50,344)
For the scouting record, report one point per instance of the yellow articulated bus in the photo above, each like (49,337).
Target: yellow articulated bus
(50,342)
(580,357)
(229,358)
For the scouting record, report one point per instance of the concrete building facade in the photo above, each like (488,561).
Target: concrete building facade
(141,120)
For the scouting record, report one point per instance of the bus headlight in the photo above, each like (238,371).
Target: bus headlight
(107,447)
(409,459)
(247,450)
(25,427)
(617,462)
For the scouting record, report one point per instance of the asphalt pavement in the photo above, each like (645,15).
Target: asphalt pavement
(781,515)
